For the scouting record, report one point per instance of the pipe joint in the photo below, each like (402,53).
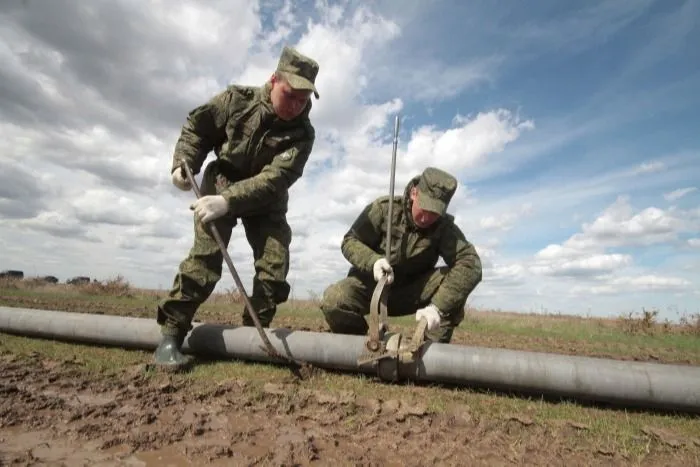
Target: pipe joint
(402,355)
(388,367)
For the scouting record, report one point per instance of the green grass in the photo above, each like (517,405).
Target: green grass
(591,332)
(618,430)
(613,429)
(573,330)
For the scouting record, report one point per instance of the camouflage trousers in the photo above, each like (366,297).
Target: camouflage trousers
(269,237)
(346,303)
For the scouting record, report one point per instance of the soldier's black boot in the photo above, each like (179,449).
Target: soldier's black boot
(265,316)
(169,356)
(345,322)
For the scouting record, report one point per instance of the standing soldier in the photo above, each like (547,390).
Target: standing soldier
(262,138)
(422,232)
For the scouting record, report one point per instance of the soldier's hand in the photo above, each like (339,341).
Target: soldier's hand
(382,267)
(180,181)
(431,315)
(211,207)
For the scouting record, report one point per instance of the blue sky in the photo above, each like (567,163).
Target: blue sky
(572,127)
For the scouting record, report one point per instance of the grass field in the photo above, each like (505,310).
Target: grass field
(487,427)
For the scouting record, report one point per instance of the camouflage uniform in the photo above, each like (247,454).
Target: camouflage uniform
(259,156)
(415,252)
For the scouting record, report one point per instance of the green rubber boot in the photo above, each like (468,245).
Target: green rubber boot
(168,355)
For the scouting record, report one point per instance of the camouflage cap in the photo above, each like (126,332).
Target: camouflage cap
(299,70)
(435,190)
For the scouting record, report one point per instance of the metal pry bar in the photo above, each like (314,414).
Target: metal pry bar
(268,348)
(378,313)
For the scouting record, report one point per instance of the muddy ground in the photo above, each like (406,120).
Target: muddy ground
(58,413)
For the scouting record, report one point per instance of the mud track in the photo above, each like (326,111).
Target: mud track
(58,413)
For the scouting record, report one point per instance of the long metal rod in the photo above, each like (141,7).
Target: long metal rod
(384,292)
(640,384)
(390,218)
(378,310)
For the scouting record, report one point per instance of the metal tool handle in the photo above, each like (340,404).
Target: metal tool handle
(215,232)
(383,318)
(378,312)
(390,219)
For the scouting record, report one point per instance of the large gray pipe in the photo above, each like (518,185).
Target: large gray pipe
(639,384)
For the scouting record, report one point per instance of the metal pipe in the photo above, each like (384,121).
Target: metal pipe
(324,350)
(640,384)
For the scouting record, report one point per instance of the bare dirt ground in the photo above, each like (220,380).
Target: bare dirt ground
(57,410)
(57,413)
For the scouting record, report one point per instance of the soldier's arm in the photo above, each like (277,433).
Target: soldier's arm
(359,243)
(464,265)
(284,170)
(204,129)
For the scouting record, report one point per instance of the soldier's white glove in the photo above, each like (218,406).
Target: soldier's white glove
(431,315)
(381,267)
(179,181)
(211,207)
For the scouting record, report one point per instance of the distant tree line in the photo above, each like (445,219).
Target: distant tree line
(19,275)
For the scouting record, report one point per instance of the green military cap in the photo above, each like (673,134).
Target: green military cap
(299,70)
(435,190)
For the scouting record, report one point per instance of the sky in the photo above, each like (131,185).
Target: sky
(571,126)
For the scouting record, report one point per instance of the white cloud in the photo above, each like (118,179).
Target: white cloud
(102,206)
(90,117)
(511,274)
(585,253)
(506,220)
(341,44)
(468,143)
(487,255)
(592,265)
(679,193)
(204,27)
(626,284)
(650,167)
(619,225)
(57,224)
(284,24)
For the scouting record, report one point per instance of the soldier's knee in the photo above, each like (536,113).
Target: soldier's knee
(345,322)
(338,311)
(333,298)
(274,264)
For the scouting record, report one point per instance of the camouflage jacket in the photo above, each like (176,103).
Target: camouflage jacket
(259,155)
(414,251)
